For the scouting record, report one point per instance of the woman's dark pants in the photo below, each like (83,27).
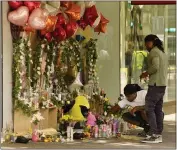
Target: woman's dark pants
(153,107)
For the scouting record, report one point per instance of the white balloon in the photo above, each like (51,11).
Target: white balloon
(82,5)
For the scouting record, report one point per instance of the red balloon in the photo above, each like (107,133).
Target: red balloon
(90,15)
(15,4)
(82,24)
(59,34)
(48,36)
(32,5)
(61,20)
(71,29)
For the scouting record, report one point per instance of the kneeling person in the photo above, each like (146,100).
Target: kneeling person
(135,97)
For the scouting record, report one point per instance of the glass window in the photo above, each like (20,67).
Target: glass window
(137,21)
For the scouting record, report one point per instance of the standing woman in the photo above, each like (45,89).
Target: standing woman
(157,72)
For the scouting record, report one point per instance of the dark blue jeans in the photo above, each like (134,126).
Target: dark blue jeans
(153,107)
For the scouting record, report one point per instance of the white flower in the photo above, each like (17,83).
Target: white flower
(20,87)
(20,81)
(31,61)
(62,43)
(21,45)
(71,47)
(30,55)
(48,67)
(29,44)
(38,68)
(40,59)
(21,57)
(68,102)
(38,72)
(30,49)
(56,81)
(42,45)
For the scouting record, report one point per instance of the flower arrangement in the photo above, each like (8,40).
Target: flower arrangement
(71,53)
(91,58)
(66,118)
(36,118)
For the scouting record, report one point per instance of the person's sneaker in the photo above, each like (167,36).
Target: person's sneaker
(153,139)
(142,134)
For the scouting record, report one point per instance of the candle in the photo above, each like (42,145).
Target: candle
(68,132)
(96,131)
(71,133)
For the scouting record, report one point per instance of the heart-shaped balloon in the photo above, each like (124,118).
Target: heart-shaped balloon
(55,4)
(15,4)
(48,36)
(71,29)
(20,16)
(59,34)
(52,10)
(32,5)
(61,20)
(73,11)
(37,19)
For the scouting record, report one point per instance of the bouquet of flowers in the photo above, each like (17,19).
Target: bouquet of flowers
(36,118)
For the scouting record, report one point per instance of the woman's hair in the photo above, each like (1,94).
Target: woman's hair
(156,41)
(131,89)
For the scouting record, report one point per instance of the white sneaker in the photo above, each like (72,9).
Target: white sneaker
(153,139)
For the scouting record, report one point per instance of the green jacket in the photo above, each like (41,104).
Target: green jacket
(157,67)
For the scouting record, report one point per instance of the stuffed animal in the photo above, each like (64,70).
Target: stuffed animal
(91,119)
(78,109)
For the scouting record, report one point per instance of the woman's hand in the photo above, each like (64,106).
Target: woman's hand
(144,75)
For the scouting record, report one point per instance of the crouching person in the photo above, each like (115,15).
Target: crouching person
(135,98)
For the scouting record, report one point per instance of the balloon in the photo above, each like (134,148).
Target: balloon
(82,6)
(32,5)
(82,24)
(61,20)
(71,29)
(80,38)
(89,4)
(48,36)
(73,11)
(50,24)
(37,19)
(59,34)
(97,21)
(20,16)
(55,4)
(102,25)
(65,4)
(28,29)
(51,10)
(15,4)
(90,15)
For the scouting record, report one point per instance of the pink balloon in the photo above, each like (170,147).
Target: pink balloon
(37,19)
(20,16)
